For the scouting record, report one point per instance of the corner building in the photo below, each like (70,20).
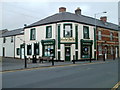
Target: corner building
(61,36)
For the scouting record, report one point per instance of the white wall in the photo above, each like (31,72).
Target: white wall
(119,42)
(9,47)
(41,35)
(18,41)
(1,43)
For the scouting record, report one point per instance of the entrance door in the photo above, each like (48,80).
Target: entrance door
(67,54)
(116,53)
(3,52)
(22,53)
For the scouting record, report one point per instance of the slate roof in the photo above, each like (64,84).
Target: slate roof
(2,31)
(67,16)
(13,32)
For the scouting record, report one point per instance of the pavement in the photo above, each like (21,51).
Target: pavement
(19,64)
(103,75)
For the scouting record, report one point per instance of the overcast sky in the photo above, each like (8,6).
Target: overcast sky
(16,14)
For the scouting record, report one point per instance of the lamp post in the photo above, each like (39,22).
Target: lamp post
(95,15)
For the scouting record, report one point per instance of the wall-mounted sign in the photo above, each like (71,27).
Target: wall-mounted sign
(71,40)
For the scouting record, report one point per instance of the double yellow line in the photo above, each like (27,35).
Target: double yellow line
(116,86)
(27,69)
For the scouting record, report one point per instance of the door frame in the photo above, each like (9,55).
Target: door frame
(3,52)
(67,46)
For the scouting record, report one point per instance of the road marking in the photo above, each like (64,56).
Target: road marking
(116,86)
(27,69)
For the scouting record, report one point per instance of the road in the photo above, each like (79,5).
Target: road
(96,75)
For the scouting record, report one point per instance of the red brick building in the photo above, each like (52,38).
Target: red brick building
(107,42)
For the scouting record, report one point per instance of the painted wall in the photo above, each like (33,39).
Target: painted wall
(41,35)
(119,43)
(18,41)
(1,46)
(9,47)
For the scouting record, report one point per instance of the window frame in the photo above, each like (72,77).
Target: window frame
(4,39)
(99,35)
(84,35)
(100,50)
(36,49)
(71,30)
(28,53)
(18,51)
(11,39)
(31,33)
(111,36)
(47,28)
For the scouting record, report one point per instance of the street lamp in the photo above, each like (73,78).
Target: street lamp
(96,30)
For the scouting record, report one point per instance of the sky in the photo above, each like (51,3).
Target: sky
(16,14)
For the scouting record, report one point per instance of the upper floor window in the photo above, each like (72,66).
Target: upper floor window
(4,40)
(32,34)
(12,39)
(99,35)
(111,36)
(86,32)
(67,30)
(49,32)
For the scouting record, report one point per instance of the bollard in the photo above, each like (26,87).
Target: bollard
(113,56)
(25,62)
(73,61)
(90,59)
(104,57)
(52,61)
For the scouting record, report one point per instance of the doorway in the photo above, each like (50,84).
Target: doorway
(67,53)
(3,51)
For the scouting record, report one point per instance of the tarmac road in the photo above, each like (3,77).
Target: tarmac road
(99,75)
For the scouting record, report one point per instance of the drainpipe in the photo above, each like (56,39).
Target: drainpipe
(14,46)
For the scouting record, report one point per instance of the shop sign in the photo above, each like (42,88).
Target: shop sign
(63,40)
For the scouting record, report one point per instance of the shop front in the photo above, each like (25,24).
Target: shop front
(68,48)
(48,48)
(86,48)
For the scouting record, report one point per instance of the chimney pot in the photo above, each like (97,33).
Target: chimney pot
(62,9)
(104,19)
(78,11)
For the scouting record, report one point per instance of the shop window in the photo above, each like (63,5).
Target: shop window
(86,52)
(36,49)
(49,50)
(86,32)
(4,40)
(67,30)
(100,50)
(32,34)
(11,39)
(99,35)
(111,36)
(18,51)
(29,49)
(48,32)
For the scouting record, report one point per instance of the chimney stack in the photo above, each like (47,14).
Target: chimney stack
(62,9)
(104,19)
(78,11)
